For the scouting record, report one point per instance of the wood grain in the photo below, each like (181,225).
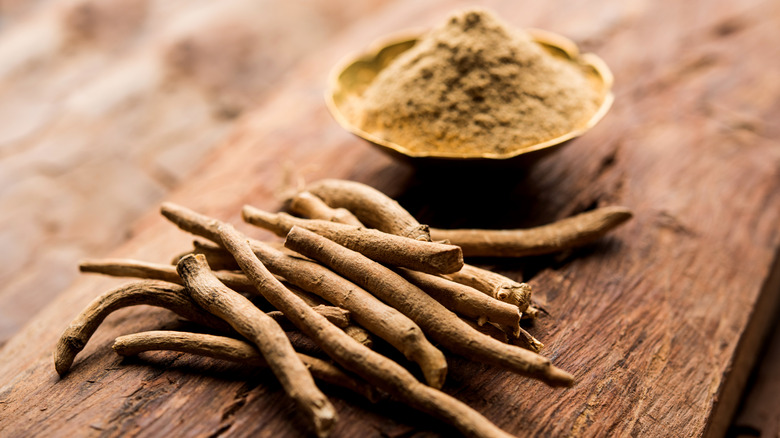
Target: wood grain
(660,322)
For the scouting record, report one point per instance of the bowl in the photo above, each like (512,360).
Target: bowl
(350,78)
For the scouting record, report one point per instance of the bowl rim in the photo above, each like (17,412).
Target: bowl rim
(548,39)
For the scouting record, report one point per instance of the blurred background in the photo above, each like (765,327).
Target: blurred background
(108,105)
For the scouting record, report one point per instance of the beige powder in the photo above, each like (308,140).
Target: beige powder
(475,86)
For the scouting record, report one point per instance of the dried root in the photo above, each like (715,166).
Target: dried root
(370,206)
(420,288)
(217,257)
(435,258)
(233,280)
(533,312)
(491,283)
(374,368)
(234,350)
(380,319)
(439,323)
(457,295)
(564,234)
(151,293)
(156,271)
(307,205)
(495,285)
(265,333)
(465,300)
(488,329)
(525,340)
(336,315)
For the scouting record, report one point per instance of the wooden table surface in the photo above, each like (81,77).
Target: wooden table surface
(115,106)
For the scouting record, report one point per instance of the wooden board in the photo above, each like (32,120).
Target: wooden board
(660,322)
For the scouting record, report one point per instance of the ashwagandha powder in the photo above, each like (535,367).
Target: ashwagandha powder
(473,86)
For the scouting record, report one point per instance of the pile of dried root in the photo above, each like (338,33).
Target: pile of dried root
(356,267)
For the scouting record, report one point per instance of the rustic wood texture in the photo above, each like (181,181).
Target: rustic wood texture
(660,322)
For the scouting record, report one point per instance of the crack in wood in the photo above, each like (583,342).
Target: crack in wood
(239,400)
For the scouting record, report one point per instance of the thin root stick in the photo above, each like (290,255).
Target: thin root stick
(372,207)
(374,368)
(495,285)
(151,293)
(485,281)
(234,350)
(365,309)
(336,315)
(359,334)
(157,271)
(374,315)
(465,300)
(265,333)
(309,206)
(523,339)
(440,324)
(533,311)
(217,257)
(313,300)
(564,234)
(488,329)
(434,258)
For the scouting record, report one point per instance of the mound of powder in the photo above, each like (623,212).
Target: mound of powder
(474,86)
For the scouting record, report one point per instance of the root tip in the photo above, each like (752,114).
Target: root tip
(559,377)
(62,363)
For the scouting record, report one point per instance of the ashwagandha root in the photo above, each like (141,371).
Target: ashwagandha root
(465,300)
(564,234)
(522,338)
(217,257)
(442,325)
(365,309)
(360,335)
(374,315)
(370,206)
(157,271)
(313,300)
(206,290)
(307,205)
(152,293)
(234,350)
(435,258)
(374,368)
(488,329)
(336,315)
(532,312)
(494,284)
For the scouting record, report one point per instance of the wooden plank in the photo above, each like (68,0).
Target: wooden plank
(656,322)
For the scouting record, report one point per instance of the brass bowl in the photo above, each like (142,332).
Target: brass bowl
(351,77)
